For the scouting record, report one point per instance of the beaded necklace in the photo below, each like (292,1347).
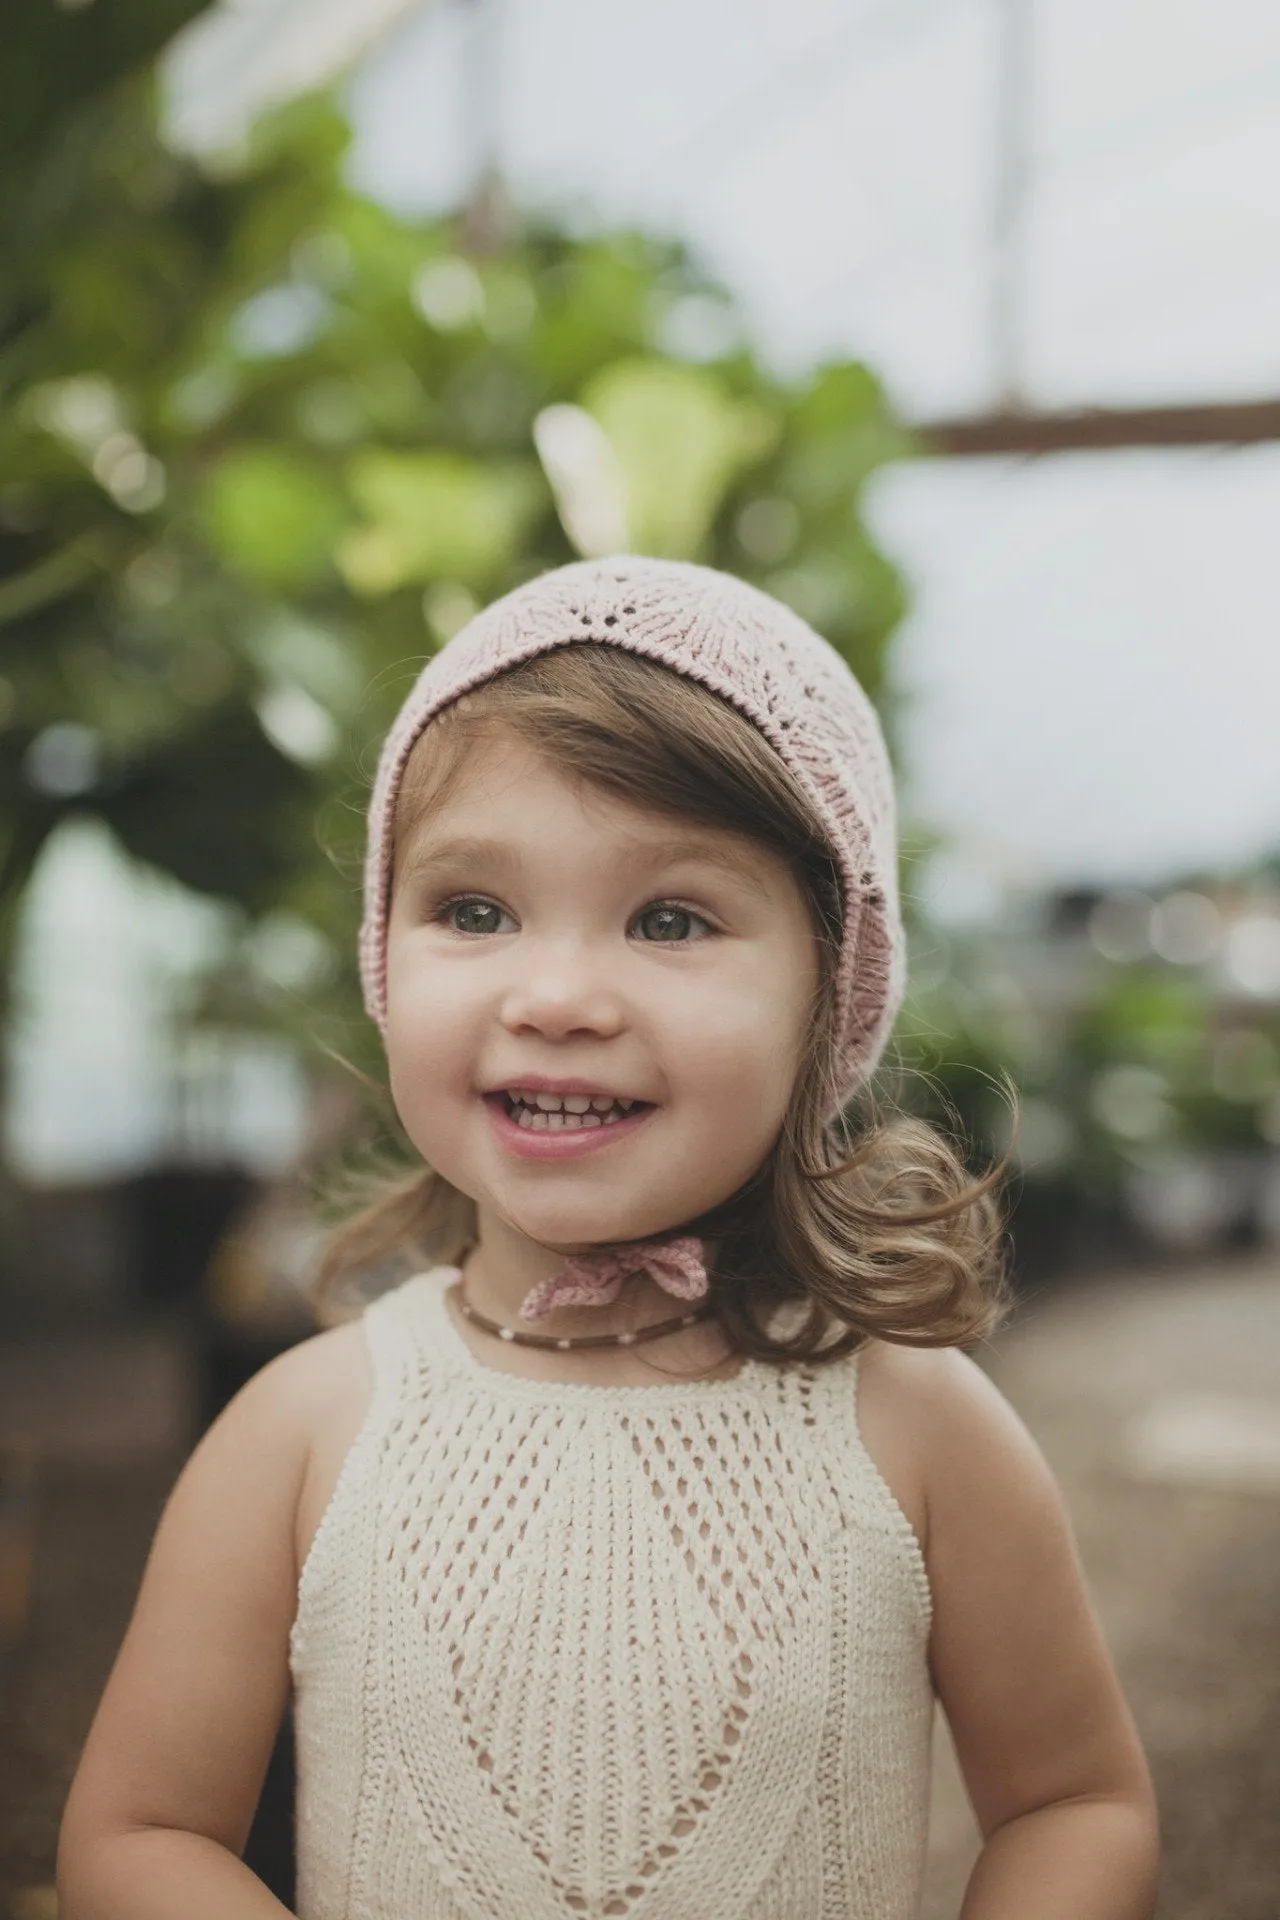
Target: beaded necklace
(566,1343)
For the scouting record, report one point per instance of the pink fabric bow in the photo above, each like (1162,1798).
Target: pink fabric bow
(595,1279)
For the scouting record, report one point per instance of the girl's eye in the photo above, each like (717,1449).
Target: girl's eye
(664,914)
(470,914)
(478,914)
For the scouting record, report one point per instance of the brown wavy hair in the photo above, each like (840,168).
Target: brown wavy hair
(873,1224)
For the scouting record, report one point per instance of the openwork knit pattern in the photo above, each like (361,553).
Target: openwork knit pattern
(755,653)
(582,1650)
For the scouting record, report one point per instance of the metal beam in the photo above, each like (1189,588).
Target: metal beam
(1009,223)
(1231,423)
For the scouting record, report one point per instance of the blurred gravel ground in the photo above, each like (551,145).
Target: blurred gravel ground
(1186,1577)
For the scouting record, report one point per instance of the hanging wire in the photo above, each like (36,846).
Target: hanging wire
(723,138)
(1208,109)
(881,262)
(1008,235)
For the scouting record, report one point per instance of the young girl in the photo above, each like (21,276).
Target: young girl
(615,1558)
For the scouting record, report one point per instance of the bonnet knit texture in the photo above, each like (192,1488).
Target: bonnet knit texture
(764,660)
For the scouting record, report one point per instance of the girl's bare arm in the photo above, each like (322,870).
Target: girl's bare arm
(1048,1748)
(162,1801)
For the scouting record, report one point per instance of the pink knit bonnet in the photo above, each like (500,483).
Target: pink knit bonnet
(760,657)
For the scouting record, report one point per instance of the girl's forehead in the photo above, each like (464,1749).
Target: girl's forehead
(634,843)
(496,812)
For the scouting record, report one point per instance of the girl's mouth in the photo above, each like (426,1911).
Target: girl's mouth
(543,1134)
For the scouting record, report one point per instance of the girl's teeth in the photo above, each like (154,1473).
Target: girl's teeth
(540,1122)
(570,1102)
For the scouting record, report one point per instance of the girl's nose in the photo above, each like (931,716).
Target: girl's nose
(562,989)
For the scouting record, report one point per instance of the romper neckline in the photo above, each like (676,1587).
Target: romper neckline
(432,1287)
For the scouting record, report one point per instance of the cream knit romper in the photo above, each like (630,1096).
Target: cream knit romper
(568,1649)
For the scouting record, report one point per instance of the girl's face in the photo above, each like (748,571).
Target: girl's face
(540,930)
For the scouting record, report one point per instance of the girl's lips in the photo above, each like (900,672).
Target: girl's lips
(542,1144)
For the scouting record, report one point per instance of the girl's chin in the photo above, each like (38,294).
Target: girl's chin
(563,1245)
(561,1238)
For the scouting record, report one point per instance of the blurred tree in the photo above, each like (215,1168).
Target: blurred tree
(59,57)
(264,446)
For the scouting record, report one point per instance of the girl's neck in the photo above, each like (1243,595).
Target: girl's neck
(498,1277)
(701,1352)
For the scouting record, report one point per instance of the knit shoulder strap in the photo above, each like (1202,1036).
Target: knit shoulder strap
(393,1343)
(830,1398)
(396,1329)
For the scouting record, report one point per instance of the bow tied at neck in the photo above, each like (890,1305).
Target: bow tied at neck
(595,1279)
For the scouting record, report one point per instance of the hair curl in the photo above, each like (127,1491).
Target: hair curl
(879,1232)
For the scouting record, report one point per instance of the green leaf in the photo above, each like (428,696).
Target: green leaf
(272,516)
(433,516)
(681,440)
(58,574)
(58,57)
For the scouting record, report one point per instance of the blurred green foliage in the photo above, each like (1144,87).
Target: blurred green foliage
(1129,1067)
(264,446)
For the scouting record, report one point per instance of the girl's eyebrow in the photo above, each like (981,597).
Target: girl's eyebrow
(740,863)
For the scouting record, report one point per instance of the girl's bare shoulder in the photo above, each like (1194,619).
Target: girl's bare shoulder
(1017,1655)
(186,1723)
(914,1405)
